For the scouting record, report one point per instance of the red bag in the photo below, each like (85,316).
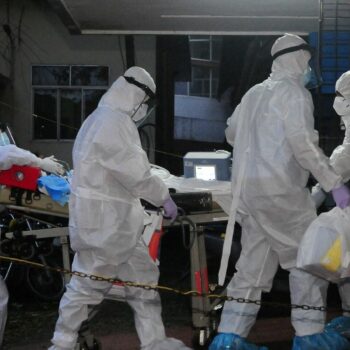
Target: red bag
(25,177)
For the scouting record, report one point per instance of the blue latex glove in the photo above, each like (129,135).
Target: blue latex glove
(57,187)
(170,209)
(325,341)
(231,341)
(341,196)
(339,324)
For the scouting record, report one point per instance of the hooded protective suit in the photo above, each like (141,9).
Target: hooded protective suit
(275,147)
(111,174)
(340,160)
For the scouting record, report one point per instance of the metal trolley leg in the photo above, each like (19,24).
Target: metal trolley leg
(201,306)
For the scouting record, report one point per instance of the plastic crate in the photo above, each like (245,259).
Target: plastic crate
(340,64)
(330,38)
(328,89)
(336,51)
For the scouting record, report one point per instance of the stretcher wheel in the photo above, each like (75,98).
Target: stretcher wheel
(201,338)
(5,247)
(45,248)
(45,284)
(25,250)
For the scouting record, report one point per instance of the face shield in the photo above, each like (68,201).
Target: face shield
(311,76)
(147,105)
(143,111)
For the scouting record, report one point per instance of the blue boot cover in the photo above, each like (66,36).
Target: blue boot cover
(321,341)
(230,341)
(339,324)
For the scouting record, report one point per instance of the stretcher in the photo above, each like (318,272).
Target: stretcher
(208,204)
(31,204)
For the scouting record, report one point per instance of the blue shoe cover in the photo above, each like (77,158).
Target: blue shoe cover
(230,341)
(321,341)
(339,324)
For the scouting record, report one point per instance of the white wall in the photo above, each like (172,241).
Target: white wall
(45,40)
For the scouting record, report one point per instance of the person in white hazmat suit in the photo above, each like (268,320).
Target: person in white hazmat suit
(340,161)
(274,150)
(111,174)
(13,155)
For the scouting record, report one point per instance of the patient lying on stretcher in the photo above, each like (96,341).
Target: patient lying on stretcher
(12,155)
(15,172)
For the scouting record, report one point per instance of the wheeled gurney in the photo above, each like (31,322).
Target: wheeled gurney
(201,205)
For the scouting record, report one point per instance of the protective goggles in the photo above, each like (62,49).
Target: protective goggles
(305,47)
(143,87)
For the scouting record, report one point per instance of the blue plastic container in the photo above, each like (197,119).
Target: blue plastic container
(327,89)
(336,51)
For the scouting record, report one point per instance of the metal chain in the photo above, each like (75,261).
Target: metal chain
(189,293)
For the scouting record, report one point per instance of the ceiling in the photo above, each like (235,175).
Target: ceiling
(188,16)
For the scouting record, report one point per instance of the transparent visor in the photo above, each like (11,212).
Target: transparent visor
(313,78)
(144,110)
(146,107)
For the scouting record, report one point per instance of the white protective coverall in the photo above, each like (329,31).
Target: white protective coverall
(111,174)
(275,147)
(340,160)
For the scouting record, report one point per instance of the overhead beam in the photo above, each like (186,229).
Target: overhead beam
(66,17)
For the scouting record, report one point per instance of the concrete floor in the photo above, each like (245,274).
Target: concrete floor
(31,324)
(264,333)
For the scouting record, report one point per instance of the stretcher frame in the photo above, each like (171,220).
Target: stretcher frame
(42,206)
(203,318)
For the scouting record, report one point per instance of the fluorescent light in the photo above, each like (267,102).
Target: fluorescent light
(240,17)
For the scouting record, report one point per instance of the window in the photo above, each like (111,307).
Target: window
(198,115)
(205,56)
(63,96)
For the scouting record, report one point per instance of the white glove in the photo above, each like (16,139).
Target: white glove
(51,165)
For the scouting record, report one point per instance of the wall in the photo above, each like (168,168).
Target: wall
(200,118)
(43,39)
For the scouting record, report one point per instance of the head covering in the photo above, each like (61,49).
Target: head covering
(126,96)
(142,77)
(291,55)
(342,86)
(289,43)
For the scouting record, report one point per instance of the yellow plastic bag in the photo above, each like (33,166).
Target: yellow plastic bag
(333,258)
